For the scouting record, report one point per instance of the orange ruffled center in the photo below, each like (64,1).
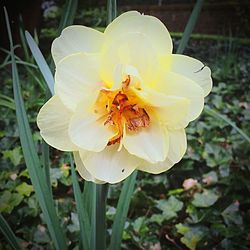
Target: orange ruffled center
(122,111)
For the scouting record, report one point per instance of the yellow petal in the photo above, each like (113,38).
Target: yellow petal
(53,121)
(178,85)
(150,144)
(83,171)
(177,149)
(87,130)
(191,68)
(151,27)
(77,78)
(110,165)
(124,50)
(76,39)
(121,72)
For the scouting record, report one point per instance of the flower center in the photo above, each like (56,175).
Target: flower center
(123,111)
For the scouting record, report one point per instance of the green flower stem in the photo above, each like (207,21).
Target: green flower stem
(101,200)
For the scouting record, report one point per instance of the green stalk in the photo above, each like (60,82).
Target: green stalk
(93,220)
(101,200)
(81,210)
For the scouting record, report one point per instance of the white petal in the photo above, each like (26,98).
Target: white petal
(53,121)
(150,144)
(151,27)
(88,131)
(156,168)
(157,98)
(83,171)
(76,39)
(77,78)
(191,68)
(177,149)
(178,85)
(174,115)
(110,165)
(177,145)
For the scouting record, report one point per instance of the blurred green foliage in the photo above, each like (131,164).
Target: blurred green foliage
(201,203)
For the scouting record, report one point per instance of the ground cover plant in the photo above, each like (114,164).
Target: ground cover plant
(201,203)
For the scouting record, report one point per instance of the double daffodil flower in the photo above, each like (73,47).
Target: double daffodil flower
(122,99)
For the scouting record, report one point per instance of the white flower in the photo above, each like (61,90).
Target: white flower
(122,99)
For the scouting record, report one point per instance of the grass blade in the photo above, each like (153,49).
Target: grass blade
(85,227)
(68,15)
(190,26)
(31,158)
(122,211)
(112,11)
(45,155)
(43,66)
(8,233)
(22,37)
(7,102)
(217,115)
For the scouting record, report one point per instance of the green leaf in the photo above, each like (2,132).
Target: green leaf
(24,189)
(182,229)
(8,233)
(217,115)
(122,211)
(191,235)
(190,26)
(139,226)
(157,218)
(43,66)
(75,226)
(31,158)
(41,236)
(14,155)
(46,164)
(175,191)
(170,207)
(231,214)
(55,175)
(205,199)
(8,201)
(210,178)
